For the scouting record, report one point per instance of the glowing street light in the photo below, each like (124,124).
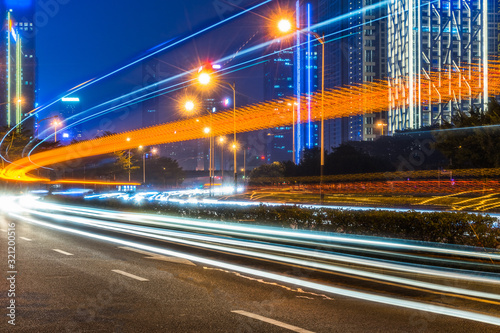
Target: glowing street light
(206,130)
(284,26)
(381,125)
(56,123)
(153,151)
(204,78)
(189,106)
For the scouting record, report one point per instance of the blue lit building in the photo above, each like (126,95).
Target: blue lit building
(294,72)
(17,62)
(426,36)
(279,83)
(356,52)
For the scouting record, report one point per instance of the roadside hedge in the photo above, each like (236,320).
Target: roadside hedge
(442,227)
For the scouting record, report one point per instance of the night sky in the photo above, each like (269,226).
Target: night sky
(84,39)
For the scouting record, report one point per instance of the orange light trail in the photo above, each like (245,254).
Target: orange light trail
(370,97)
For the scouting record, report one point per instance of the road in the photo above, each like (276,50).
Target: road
(83,273)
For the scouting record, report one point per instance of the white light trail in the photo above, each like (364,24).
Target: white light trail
(242,230)
(413,305)
(290,255)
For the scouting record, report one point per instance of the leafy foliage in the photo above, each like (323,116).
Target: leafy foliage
(472,140)
(14,145)
(164,171)
(442,227)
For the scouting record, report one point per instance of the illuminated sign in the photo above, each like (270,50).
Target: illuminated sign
(70,99)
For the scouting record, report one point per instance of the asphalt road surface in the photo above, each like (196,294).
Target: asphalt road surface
(70,282)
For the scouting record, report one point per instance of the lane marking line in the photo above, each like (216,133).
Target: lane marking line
(63,252)
(26,239)
(129,275)
(155,256)
(272,321)
(380,299)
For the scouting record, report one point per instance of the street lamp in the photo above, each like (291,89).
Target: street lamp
(38,122)
(129,166)
(221,143)
(293,129)
(204,78)
(143,165)
(55,123)
(207,130)
(190,106)
(381,125)
(285,26)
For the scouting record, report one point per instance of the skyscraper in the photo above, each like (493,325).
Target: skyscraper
(355,53)
(150,106)
(426,36)
(278,84)
(292,70)
(18,62)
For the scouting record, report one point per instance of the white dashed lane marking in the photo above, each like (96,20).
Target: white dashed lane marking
(129,275)
(63,252)
(272,321)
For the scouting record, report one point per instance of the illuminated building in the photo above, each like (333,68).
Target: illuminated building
(150,106)
(306,79)
(17,62)
(67,108)
(494,28)
(355,53)
(294,72)
(423,37)
(278,84)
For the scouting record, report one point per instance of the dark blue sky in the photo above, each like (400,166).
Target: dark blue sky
(83,39)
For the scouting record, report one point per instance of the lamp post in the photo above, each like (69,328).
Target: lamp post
(143,166)
(293,130)
(55,123)
(285,26)
(381,125)
(221,143)
(190,106)
(38,122)
(208,131)
(128,140)
(204,79)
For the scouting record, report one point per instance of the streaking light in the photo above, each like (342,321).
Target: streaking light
(284,279)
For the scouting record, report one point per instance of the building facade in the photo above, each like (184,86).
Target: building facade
(427,36)
(356,52)
(292,70)
(18,62)
(279,83)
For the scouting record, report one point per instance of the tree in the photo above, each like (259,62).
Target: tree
(310,163)
(124,162)
(164,171)
(16,144)
(346,160)
(472,140)
(267,174)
